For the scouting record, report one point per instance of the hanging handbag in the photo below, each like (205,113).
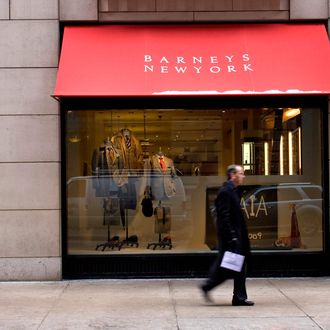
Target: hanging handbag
(147,207)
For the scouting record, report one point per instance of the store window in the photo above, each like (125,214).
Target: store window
(143,181)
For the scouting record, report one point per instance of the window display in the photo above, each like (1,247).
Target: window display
(143,181)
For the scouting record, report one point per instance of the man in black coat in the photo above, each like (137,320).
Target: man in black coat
(232,236)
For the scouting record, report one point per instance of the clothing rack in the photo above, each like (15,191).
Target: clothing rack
(100,160)
(129,240)
(162,242)
(103,170)
(110,243)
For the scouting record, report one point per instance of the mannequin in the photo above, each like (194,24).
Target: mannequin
(162,174)
(126,178)
(163,187)
(130,148)
(106,161)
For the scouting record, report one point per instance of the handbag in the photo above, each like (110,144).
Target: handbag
(147,207)
(232,261)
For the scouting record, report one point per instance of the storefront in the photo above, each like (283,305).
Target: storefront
(151,117)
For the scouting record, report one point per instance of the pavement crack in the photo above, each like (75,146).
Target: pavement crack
(294,303)
(173,301)
(54,304)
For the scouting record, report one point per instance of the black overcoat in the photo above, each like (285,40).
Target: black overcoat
(230,221)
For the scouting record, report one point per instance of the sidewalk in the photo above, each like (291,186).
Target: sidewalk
(298,303)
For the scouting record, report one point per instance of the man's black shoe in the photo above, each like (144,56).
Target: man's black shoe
(242,302)
(206,295)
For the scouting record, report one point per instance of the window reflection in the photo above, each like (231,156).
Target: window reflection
(142,181)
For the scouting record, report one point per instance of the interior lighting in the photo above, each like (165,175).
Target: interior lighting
(290,113)
(281,157)
(266,160)
(74,139)
(290,153)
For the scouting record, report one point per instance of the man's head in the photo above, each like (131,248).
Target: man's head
(235,173)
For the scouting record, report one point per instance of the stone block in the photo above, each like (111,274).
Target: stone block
(4,9)
(307,9)
(284,5)
(30,269)
(103,5)
(27,43)
(38,231)
(260,5)
(28,91)
(147,17)
(25,138)
(242,16)
(78,10)
(131,5)
(213,5)
(34,9)
(30,185)
(174,5)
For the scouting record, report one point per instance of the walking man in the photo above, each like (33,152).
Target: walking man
(232,236)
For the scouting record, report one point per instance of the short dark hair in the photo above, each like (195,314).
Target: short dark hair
(231,169)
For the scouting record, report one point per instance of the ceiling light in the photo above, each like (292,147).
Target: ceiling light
(74,139)
(290,113)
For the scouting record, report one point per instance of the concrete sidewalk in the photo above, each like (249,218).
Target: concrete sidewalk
(290,303)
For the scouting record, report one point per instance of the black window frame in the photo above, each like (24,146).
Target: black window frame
(192,264)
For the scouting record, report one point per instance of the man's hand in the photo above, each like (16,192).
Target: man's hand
(233,245)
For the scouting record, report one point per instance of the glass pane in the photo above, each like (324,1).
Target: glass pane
(144,181)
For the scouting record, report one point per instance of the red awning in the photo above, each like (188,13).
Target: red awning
(149,60)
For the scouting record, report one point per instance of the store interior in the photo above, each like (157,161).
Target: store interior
(275,146)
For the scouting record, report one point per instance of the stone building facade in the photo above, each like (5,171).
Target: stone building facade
(30,163)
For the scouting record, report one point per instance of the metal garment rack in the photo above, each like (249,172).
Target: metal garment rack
(128,241)
(162,243)
(111,242)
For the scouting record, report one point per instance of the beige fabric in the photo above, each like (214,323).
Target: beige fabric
(162,219)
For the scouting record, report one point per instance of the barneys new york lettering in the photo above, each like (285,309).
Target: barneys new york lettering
(198,64)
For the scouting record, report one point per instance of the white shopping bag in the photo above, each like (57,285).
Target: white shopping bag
(232,261)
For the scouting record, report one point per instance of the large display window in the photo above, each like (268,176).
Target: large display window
(143,180)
